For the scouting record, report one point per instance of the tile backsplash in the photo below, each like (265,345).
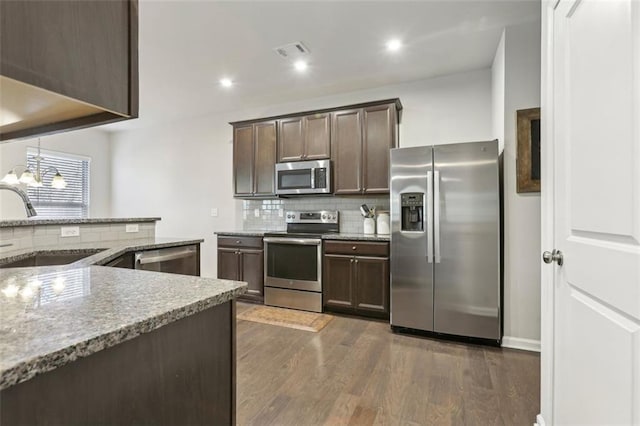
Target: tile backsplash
(32,237)
(270,213)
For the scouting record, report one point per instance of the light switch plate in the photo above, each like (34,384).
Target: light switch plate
(280,212)
(70,231)
(132,228)
(214,212)
(256,212)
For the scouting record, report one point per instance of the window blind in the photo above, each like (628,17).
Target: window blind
(69,202)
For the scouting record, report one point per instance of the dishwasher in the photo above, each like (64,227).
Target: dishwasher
(183,260)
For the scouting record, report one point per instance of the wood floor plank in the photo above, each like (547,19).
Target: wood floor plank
(358,372)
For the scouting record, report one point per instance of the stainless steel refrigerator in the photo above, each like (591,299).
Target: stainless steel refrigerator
(445,240)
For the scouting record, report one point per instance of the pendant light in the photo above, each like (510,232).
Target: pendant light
(34,180)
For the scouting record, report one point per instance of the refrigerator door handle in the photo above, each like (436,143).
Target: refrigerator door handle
(436,215)
(429,217)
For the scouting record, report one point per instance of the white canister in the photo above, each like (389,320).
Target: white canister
(369,225)
(383,223)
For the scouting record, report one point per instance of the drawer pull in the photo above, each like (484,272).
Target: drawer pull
(353,248)
(237,241)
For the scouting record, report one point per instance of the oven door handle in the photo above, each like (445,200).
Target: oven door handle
(295,241)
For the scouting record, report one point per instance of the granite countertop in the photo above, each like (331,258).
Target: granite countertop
(241,233)
(360,237)
(52,315)
(110,249)
(35,221)
(338,236)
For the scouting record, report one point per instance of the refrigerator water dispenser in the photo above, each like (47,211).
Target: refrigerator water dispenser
(412,204)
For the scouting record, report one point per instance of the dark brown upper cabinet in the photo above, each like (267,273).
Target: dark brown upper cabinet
(254,159)
(347,151)
(356,137)
(361,140)
(67,64)
(304,138)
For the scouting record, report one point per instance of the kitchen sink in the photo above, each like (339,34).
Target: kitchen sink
(50,258)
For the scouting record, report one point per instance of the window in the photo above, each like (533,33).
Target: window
(70,202)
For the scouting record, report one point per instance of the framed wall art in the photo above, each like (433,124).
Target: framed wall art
(528,155)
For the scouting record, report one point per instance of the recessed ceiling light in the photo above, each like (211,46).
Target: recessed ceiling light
(300,65)
(394,45)
(226,82)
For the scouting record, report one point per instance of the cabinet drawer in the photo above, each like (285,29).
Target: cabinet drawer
(240,242)
(359,248)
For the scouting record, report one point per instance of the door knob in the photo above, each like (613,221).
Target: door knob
(553,256)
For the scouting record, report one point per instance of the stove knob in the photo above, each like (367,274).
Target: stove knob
(324,217)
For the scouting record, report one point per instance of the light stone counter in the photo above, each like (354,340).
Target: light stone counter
(76,221)
(50,316)
(109,249)
(328,236)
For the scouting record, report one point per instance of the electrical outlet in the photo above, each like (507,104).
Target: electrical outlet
(70,231)
(281,212)
(256,212)
(214,212)
(132,228)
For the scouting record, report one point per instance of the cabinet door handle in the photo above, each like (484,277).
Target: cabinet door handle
(356,260)
(238,242)
(351,260)
(354,247)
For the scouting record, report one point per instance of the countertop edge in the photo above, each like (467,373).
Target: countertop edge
(338,236)
(104,256)
(48,362)
(37,222)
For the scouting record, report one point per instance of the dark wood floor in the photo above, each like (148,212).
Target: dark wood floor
(357,372)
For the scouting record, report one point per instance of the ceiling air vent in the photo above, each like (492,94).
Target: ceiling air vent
(292,51)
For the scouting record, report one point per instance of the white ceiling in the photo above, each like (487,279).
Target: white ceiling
(186,47)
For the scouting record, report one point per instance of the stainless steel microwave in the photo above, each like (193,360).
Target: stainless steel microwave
(303,177)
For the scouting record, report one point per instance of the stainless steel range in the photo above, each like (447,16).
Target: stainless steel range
(293,260)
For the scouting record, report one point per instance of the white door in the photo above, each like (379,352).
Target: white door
(594,116)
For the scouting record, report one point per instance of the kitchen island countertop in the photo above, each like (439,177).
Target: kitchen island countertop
(73,221)
(52,315)
(109,250)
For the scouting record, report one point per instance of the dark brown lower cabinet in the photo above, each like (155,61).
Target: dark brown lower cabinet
(356,284)
(181,373)
(242,259)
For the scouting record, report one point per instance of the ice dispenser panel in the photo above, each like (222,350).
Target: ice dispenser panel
(412,211)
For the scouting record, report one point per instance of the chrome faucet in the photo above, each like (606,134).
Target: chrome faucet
(25,198)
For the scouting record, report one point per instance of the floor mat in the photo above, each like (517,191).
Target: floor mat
(301,320)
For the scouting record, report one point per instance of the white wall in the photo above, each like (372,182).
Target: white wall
(184,168)
(516,85)
(91,143)
(497,92)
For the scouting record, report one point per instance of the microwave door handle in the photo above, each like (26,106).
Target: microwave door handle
(313,178)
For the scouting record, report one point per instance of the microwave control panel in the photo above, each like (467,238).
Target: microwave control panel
(321,178)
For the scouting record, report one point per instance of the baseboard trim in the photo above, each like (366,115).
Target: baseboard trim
(520,343)
(539,421)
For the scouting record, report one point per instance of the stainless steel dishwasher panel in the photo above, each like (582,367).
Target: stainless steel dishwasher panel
(175,260)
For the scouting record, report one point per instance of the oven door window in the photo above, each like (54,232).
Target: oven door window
(294,179)
(292,262)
